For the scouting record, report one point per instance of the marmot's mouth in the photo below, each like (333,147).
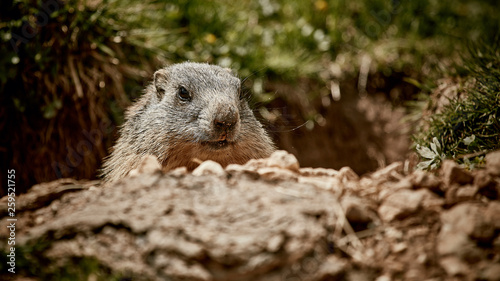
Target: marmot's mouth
(217,144)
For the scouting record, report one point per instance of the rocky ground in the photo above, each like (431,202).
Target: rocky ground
(266,220)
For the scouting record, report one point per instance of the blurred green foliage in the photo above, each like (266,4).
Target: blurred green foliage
(30,263)
(275,38)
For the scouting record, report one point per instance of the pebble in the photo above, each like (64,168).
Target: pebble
(400,204)
(473,220)
(283,159)
(454,266)
(389,171)
(332,269)
(486,185)
(422,179)
(209,167)
(452,173)
(348,174)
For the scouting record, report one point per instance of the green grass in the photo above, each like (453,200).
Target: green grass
(31,261)
(469,126)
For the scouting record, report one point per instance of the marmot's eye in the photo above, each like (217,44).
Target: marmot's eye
(183,94)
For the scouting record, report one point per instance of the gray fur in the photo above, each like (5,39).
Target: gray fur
(160,123)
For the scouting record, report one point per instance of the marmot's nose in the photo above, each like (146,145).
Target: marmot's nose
(224,125)
(226,119)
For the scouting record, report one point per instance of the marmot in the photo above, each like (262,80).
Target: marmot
(190,110)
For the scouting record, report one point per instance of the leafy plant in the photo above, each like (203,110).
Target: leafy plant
(433,155)
(469,126)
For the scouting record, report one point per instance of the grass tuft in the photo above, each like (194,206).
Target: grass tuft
(469,125)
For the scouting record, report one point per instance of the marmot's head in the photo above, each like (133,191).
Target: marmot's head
(205,100)
(204,116)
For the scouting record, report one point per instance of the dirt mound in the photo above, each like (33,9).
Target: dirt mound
(265,220)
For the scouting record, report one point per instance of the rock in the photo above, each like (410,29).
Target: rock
(183,270)
(275,243)
(430,200)
(422,179)
(399,247)
(348,174)
(490,272)
(451,195)
(454,266)
(452,173)
(236,170)
(186,228)
(283,159)
(471,219)
(391,171)
(384,277)
(158,240)
(493,163)
(148,165)
(178,172)
(254,164)
(276,174)
(278,159)
(492,214)
(496,244)
(404,183)
(454,243)
(486,185)
(461,217)
(404,202)
(209,167)
(332,268)
(466,192)
(400,204)
(482,179)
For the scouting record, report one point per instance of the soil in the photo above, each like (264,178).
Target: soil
(362,131)
(266,220)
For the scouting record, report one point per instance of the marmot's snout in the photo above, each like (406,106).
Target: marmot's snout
(226,123)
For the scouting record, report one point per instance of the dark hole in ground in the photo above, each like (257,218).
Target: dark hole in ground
(363,132)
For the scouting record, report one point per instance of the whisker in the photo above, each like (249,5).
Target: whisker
(291,130)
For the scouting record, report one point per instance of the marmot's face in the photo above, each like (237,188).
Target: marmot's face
(205,101)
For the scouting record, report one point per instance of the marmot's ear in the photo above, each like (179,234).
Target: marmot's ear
(160,81)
